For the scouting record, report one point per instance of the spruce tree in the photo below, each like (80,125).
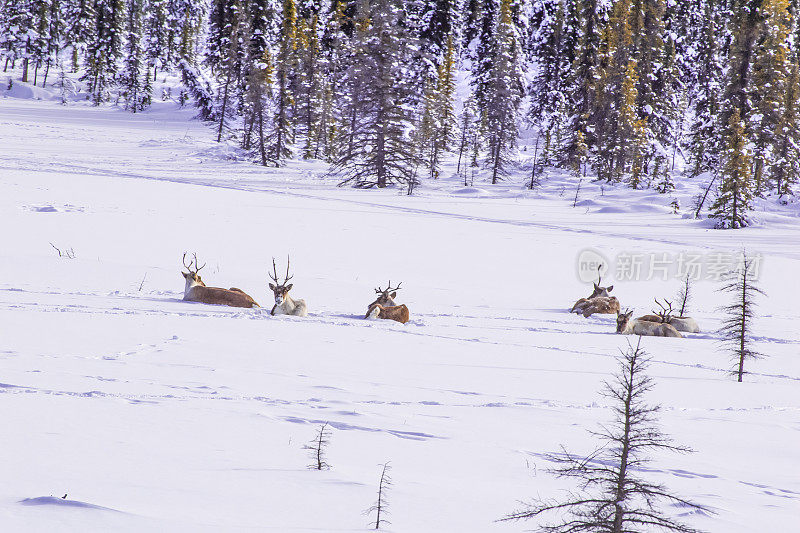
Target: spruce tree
(737,327)
(79,23)
(131,76)
(104,48)
(769,79)
(382,152)
(285,72)
(614,494)
(705,144)
(502,93)
(735,191)
(784,170)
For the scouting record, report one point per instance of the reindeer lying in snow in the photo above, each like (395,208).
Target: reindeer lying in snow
(385,307)
(626,326)
(597,302)
(196,290)
(681,323)
(284,304)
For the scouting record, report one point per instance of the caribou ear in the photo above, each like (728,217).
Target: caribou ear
(393,295)
(289,287)
(271,286)
(610,288)
(184,274)
(596,286)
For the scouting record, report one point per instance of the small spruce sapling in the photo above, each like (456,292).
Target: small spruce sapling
(737,326)
(381,505)
(317,448)
(685,296)
(614,497)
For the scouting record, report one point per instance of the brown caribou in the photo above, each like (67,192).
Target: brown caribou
(197,291)
(385,307)
(597,302)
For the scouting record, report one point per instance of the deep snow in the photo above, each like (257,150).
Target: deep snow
(155,414)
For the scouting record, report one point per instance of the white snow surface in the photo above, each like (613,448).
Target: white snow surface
(153,414)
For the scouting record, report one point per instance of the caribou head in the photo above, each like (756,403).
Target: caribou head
(281,290)
(192,277)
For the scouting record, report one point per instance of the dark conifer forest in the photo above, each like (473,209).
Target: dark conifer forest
(383,90)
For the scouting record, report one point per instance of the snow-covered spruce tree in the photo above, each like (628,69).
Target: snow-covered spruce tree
(281,125)
(130,79)
(467,134)
(552,47)
(79,26)
(771,67)
(734,194)
(614,115)
(383,69)
(438,29)
(737,95)
(309,84)
(582,107)
(658,79)
(737,326)
(16,27)
(333,47)
(104,48)
(436,129)
(613,496)
(233,43)
(42,41)
(784,170)
(155,36)
(257,72)
(502,91)
(483,56)
(259,96)
(200,88)
(704,143)
(55,36)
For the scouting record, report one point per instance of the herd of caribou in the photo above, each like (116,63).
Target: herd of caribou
(197,291)
(659,324)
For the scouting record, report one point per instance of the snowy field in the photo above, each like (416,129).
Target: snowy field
(154,414)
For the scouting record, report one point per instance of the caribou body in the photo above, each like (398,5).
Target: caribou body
(384,306)
(681,323)
(197,291)
(285,304)
(597,302)
(626,326)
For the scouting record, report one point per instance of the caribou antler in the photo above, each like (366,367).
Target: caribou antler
(666,310)
(193,261)
(274,275)
(388,288)
(599,277)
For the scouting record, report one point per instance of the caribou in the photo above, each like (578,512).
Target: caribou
(626,326)
(385,307)
(597,302)
(681,323)
(285,304)
(197,291)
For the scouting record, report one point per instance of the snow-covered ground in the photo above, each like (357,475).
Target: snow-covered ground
(154,414)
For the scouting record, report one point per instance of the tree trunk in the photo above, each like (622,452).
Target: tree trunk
(224,103)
